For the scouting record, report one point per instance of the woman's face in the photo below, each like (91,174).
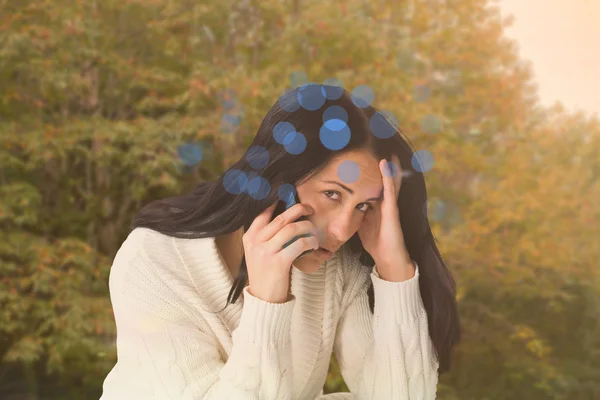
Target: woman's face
(340,207)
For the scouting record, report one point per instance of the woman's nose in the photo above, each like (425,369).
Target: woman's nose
(342,229)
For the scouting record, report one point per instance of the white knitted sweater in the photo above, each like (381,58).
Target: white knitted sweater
(170,345)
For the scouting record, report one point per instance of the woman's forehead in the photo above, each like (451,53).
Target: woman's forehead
(358,172)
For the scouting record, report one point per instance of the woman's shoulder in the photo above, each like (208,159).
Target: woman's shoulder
(156,250)
(142,241)
(180,260)
(153,242)
(147,276)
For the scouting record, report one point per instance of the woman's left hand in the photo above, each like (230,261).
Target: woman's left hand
(380,232)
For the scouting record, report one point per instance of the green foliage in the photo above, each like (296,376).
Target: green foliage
(335,382)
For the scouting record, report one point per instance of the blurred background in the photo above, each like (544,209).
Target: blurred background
(108,105)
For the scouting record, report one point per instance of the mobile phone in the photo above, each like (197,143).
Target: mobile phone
(284,205)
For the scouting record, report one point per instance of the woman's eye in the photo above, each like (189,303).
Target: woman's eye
(329,191)
(364,210)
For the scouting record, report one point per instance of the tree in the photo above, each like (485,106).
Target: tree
(108,105)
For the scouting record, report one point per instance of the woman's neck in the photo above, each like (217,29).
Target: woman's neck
(232,249)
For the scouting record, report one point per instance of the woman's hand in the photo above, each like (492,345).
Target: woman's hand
(269,264)
(380,232)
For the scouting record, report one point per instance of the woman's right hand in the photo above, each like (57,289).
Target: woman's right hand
(268,264)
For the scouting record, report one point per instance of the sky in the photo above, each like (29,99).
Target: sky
(561,38)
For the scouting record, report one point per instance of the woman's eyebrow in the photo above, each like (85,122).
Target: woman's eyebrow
(377,199)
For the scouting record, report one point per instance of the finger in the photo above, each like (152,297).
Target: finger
(389,189)
(388,179)
(398,173)
(297,247)
(289,233)
(290,215)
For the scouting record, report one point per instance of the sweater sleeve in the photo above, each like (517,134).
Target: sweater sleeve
(387,354)
(164,352)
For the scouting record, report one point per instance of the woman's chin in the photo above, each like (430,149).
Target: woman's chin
(308,266)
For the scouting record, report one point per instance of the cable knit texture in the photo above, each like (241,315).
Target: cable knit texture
(174,342)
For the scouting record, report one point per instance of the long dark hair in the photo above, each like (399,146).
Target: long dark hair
(215,208)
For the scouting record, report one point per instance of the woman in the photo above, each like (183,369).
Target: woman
(382,298)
